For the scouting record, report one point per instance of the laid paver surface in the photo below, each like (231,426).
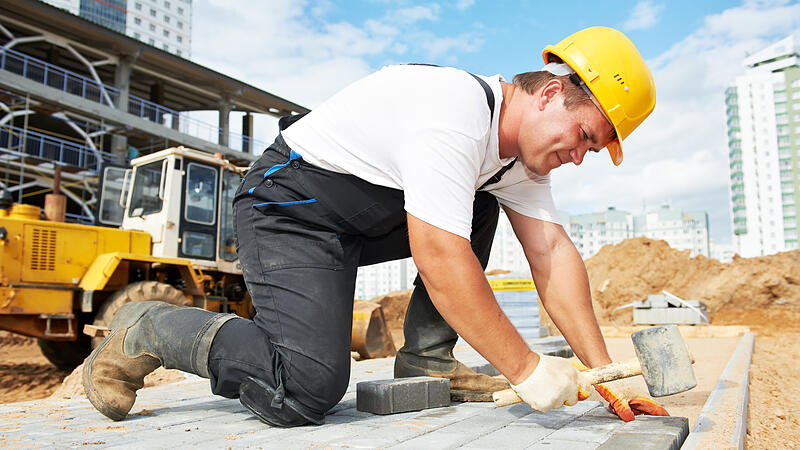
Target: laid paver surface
(187,414)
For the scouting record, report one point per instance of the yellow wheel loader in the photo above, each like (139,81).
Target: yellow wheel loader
(175,244)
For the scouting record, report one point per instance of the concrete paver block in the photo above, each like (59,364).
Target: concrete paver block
(402,394)
(626,441)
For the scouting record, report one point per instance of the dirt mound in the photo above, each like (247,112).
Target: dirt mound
(72,386)
(8,339)
(634,268)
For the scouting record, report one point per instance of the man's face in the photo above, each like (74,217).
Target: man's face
(557,136)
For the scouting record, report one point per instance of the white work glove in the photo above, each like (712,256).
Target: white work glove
(553,384)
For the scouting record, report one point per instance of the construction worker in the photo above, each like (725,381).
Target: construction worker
(412,160)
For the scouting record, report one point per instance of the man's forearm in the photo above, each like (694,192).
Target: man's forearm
(563,285)
(459,290)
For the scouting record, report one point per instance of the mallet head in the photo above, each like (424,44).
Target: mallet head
(666,364)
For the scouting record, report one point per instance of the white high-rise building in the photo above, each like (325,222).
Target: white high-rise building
(763,111)
(682,230)
(165,24)
(379,279)
(506,250)
(590,232)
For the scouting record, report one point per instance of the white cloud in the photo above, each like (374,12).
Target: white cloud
(292,49)
(644,15)
(680,152)
(463,5)
(414,14)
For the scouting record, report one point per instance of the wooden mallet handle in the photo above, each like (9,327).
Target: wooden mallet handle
(603,374)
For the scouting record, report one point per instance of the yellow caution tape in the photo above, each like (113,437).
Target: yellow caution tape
(512,284)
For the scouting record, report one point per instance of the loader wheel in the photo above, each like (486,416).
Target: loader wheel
(136,292)
(66,355)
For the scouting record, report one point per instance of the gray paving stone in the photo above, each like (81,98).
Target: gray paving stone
(626,441)
(402,394)
(586,430)
(677,426)
(511,437)
(558,444)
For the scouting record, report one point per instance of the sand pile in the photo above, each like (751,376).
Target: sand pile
(24,373)
(634,268)
(72,386)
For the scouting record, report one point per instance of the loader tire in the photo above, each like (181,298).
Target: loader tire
(66,355)
(136,292)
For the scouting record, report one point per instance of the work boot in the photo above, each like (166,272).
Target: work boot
(428,351)
(145,336)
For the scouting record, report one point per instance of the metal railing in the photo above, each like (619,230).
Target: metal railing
(44,147)
(59,78)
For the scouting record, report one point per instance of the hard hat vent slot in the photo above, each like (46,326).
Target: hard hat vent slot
(619,79)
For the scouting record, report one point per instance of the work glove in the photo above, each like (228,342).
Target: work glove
(626,408)
(553,384)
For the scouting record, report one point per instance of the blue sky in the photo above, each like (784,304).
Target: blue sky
(306,51)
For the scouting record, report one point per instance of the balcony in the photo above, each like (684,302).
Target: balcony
(56,77)
(20,144)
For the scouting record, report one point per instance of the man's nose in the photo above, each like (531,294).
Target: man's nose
(578,154)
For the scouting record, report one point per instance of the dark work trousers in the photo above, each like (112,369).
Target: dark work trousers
(302,232)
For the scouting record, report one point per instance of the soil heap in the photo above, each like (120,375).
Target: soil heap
(746,291)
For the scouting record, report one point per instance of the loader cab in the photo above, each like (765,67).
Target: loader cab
(183,199)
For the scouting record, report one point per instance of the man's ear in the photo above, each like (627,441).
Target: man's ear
(549,92)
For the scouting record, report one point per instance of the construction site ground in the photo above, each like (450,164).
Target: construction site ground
(762,294)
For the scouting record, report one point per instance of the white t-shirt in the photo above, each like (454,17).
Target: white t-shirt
(424,130)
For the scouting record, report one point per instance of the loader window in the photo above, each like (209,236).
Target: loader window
(146,183)
(196,244)
(110,209)
(201,194)
(227,246)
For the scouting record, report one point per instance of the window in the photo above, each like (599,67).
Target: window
(179,38)
(201,194)
(167,5)
(146,189)
(178,52)
(152,27)
(166,18)
(196,244)
(227,245)
(166,33)
(137,36)
(180,10)
(151,41)
(166,47)
(137,21)
(112,191)
(138,6)
(180,25)
(152,12)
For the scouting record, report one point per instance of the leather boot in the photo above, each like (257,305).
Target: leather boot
(145,336)
(428,351)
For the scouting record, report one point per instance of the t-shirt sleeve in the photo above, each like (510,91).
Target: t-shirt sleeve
(438,174)
(531,197)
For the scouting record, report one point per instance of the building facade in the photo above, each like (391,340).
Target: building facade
(165,24)
(682,230)
(763,116)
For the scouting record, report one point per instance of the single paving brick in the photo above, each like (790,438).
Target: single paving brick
(402,394)
(639,441)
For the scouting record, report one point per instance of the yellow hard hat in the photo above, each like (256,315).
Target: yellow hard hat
(614,71)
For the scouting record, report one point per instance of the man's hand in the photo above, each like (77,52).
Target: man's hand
(552,384)
(626,408)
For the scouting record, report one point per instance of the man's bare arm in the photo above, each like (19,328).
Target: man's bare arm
(563,285)
(459,290)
